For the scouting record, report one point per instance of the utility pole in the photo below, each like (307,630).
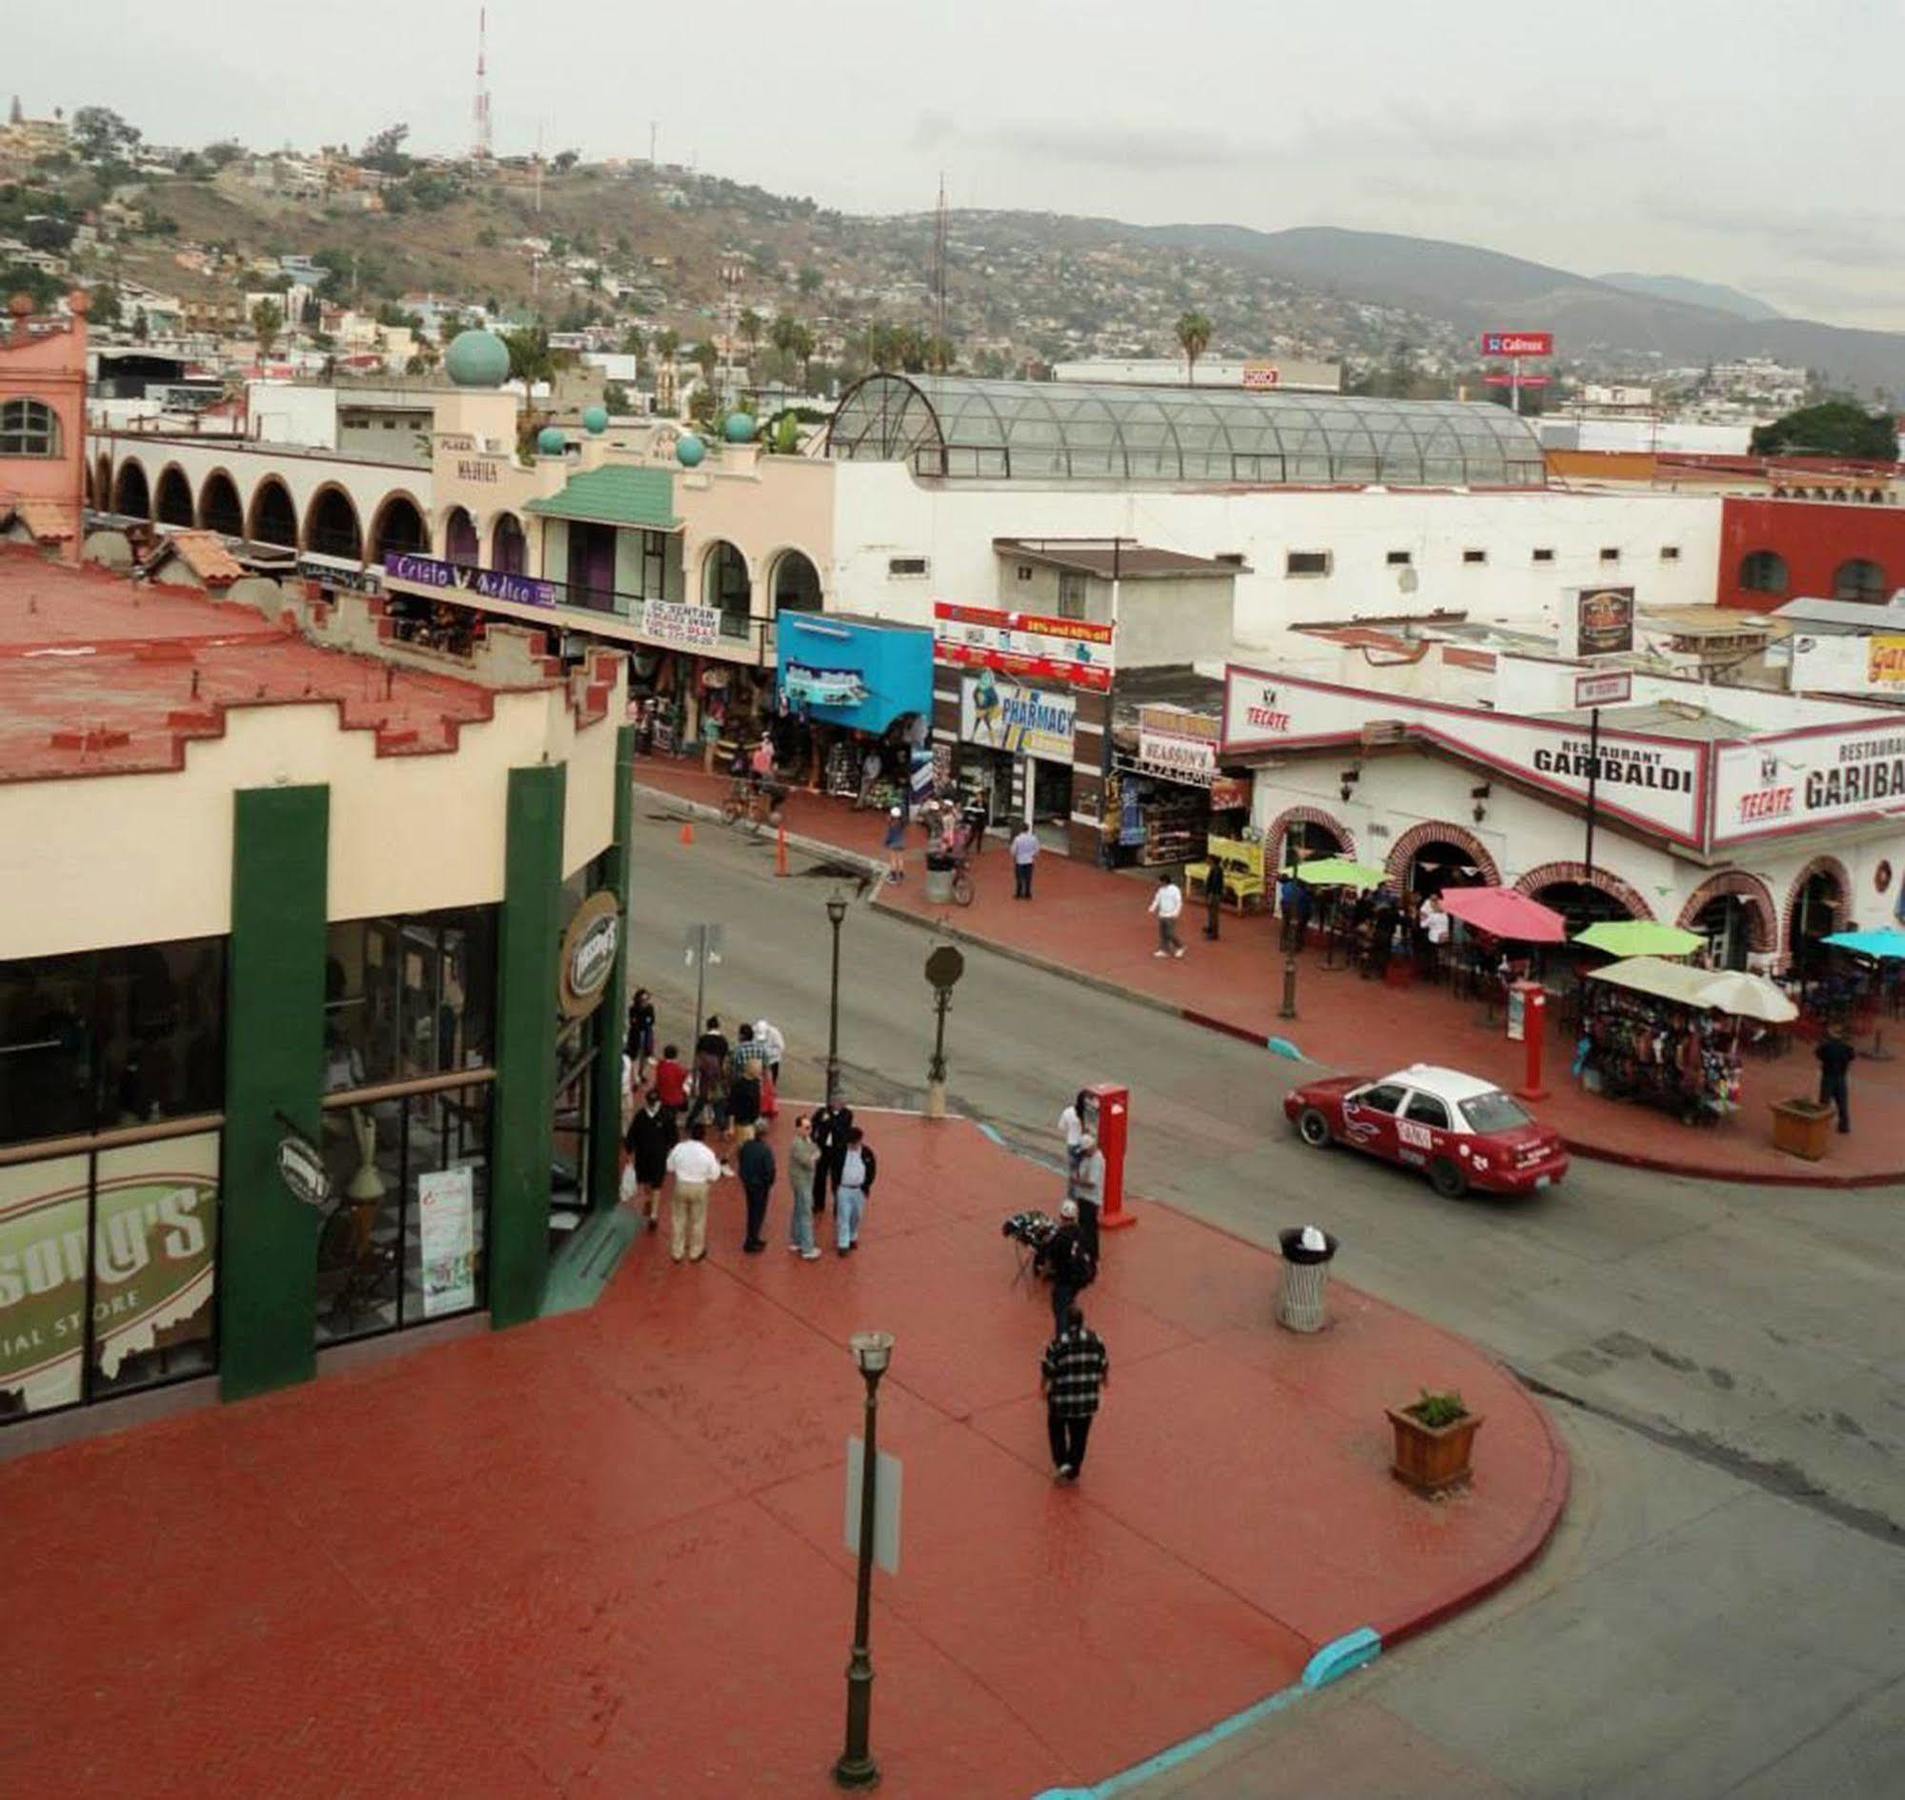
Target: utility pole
(939,278)
(654,128)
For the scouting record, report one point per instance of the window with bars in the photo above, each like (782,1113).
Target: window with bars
(28,428)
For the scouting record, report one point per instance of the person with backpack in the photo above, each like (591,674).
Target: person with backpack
(1071,1266)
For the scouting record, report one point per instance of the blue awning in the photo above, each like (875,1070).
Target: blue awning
(862,673)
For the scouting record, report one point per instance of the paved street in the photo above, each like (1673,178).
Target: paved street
(1730,1584)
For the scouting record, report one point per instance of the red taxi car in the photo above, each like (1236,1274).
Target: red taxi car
(1460,1132)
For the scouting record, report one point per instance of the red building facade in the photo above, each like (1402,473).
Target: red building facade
(1775,550)
(43,426)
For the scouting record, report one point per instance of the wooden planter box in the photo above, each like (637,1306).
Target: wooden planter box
(1802,1128)
(1432,1459)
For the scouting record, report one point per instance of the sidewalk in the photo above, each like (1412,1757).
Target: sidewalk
(1091,924)
(602,1555)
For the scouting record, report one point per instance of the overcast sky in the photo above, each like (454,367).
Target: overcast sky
(1743,141)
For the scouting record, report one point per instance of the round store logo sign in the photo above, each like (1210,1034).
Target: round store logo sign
(588,954)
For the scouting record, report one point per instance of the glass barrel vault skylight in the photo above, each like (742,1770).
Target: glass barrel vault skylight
(953,425)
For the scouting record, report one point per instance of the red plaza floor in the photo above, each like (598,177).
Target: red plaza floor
(603,1554)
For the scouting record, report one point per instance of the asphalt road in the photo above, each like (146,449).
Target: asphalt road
(1724,1608)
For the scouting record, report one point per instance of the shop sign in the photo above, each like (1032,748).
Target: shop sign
(1603,620)
(479,470)
(453,441)
(488,584)
(588,954)
(1002,714)
(1602,690)
(1885,661)
(824,687)
(154,1240)
(301,1169)
(1229,792)
(1262,375)
(1778,785)
(1074,651)
(1517,343)
(675,623)
(1178,756)
(1658,783)
(330,573)
(446,1227)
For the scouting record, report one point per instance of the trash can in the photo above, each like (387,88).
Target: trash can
(1307,1251)
(940,870)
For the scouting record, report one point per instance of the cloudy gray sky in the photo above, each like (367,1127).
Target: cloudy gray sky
(1743,141)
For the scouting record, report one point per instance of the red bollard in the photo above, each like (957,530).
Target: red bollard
(780,852)
(1114,1124)
(1535,1037)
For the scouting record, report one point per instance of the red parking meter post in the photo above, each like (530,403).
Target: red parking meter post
(1113,1107)
(1535,1037)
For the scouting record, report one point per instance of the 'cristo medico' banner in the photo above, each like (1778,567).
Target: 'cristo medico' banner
(154,1241)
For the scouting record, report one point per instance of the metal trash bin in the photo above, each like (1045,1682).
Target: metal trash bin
(1306,1278)
(940,871)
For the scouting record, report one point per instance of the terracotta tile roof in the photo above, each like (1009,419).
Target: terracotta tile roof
(46,519)
(204,553)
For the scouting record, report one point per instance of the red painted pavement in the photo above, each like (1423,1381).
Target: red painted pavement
(602,1555)
(1092,922)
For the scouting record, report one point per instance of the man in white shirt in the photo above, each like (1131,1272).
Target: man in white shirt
(695,1168)
(1435,934)
(1025,849)
(770,1035)
(1165,905)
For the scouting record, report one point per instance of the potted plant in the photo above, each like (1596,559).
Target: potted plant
(1435,1439)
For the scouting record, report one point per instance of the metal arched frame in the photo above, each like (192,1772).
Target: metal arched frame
(254,510)
(308,529)
(380,522)
(1306,815)
(172,485)
(710,561)
(203,512)
(1403,853)
(1762,916)
(1555,873)
(129,465)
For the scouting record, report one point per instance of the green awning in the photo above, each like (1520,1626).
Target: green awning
(643,499)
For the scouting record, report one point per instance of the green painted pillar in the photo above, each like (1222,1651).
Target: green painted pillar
(605,1152)
(522,1133)
(274,1063)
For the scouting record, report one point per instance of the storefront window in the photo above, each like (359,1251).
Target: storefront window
(108,1038)
(409,996)
(108,1272)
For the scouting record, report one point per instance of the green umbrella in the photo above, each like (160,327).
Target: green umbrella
(1339,871)
(1639,937)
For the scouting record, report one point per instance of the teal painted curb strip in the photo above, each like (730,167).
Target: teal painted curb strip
(581,1273)
(1355,1650)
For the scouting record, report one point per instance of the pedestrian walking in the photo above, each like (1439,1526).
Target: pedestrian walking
(830,1127)
(651,1134)
(757,1170)
(894,844)
(1070,1265)
(1025,849)
(1088,1189)
(671,1081)
(1213,898)
(639,1046)
(745,1069)
(1836,1057)
(1075,1370)
(858,1169)
(770,1036)
(1289,889)
(803,1159)
(1165,906)
(695,1168)
(711,1075)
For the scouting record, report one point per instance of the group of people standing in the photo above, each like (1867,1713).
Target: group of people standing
(1075,1366)
(731,1092)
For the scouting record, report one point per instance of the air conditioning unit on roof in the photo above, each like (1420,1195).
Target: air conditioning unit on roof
(1383,731)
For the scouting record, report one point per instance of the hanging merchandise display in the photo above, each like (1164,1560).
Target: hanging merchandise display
(1635,1046)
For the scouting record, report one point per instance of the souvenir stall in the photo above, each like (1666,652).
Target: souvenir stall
(1166,801)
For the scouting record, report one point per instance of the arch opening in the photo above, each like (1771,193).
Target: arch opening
(1764,572)
(727,587)
(508,549)
(795,583)
(218,505)
(331,527)
(398,530)
(1860,580)
(131,493)
(459,538)
(274,519)
(172,498)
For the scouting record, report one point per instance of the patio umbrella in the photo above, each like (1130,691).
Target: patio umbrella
(1720,990)
(1639,937)
(1881,944)
(1339,871)
(1505,913)
(1746,996)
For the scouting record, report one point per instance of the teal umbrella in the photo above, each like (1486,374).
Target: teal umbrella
(1639,937)
(1882,944)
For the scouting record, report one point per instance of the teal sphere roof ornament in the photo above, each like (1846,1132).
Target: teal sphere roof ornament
(551,440)
(595,420)
(689,450)
(739,429)
(477,359)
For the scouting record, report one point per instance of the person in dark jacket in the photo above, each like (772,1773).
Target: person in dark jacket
(757,1170)
(650,1136)
(1836,1057)
(831,1125)
(711,1075)
(853,1188)
(1070,1265)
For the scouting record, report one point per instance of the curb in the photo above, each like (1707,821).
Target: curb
(820,849)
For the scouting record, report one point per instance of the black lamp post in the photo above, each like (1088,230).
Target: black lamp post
(836,917)
(872,1350)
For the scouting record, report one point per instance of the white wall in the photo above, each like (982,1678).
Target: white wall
(881,512)
(282,412)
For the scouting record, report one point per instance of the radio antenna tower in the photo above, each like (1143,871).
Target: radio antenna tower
(483,148)
(939,279)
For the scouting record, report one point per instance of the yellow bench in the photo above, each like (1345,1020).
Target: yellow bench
(1243,866)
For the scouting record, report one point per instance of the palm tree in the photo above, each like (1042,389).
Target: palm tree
(1193,338)
(750,325)
(267,320)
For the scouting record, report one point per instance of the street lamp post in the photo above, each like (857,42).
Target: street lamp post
(836,917)
(943,969)
(872,1350)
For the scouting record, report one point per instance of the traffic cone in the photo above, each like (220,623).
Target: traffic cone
(687,831)
(780,852)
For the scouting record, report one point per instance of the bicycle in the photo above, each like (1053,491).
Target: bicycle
(754,803)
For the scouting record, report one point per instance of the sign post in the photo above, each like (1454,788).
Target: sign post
(703,947)
(1515,345)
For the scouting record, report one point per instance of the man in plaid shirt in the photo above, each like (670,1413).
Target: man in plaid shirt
(1075,1369)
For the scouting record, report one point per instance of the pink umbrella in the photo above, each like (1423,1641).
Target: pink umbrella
(1506,913)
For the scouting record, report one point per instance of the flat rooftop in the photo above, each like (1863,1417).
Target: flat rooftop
(102,675)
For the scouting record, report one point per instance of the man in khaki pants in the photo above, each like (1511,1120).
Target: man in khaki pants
(695,1168)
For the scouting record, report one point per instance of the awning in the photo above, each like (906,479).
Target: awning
(1505,913)
(1716,990)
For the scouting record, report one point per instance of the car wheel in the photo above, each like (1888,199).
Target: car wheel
(1313,1128)
(1448,1179)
